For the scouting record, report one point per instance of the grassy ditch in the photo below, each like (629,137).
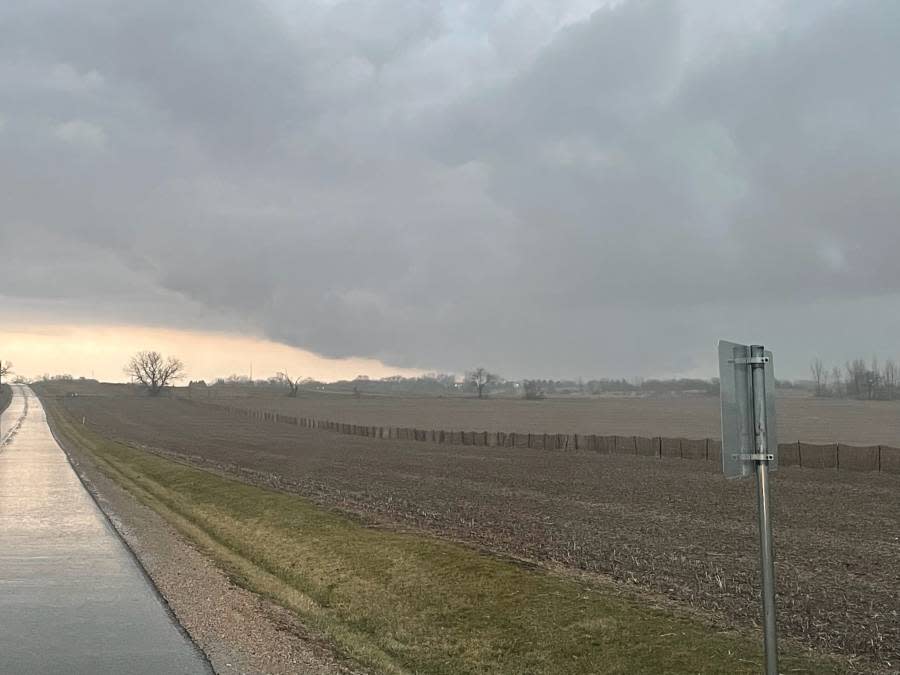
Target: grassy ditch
(406,603)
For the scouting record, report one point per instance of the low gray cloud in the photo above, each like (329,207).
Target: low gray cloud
(553,188)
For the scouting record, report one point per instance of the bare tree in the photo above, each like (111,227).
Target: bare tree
(873,380)
(532,389)
(480,378)
(292,384)
(889,378)
(856,377)
(837,382)
(5,369)
(153,371)
(819,374)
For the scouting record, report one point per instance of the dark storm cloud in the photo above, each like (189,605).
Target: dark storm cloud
(548,188)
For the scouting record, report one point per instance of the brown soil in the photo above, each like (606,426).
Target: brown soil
(667,526)
(803,418)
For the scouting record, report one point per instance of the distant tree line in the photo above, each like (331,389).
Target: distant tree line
(856,379)
(480,382)
(155,373)
(654,386)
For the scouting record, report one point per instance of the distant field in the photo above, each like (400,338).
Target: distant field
(672,527)
(800,418)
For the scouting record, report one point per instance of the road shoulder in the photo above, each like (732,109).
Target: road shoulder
(239,631)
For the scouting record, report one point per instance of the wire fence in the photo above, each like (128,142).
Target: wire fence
(839,456)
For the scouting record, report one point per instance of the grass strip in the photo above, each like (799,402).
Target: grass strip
(407,603)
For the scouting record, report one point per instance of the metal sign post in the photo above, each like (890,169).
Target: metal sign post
(746,376)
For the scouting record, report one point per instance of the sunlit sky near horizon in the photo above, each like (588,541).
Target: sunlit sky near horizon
(101,352)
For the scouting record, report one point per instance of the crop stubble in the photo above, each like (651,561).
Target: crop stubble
(800,417)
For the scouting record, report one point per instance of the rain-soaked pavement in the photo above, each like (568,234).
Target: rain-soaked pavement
(72,597)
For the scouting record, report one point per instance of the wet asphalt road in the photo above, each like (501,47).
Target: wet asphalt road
(72,597)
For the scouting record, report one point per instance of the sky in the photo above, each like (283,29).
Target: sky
(100,351)
(552,188)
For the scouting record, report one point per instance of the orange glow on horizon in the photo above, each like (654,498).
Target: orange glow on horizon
(101,351)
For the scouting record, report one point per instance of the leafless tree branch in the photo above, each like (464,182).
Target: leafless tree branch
(293,385)
(481,378)
(153,371)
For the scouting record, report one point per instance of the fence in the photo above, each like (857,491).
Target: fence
(837,456)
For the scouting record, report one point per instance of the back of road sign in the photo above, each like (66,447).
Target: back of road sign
(736,395)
